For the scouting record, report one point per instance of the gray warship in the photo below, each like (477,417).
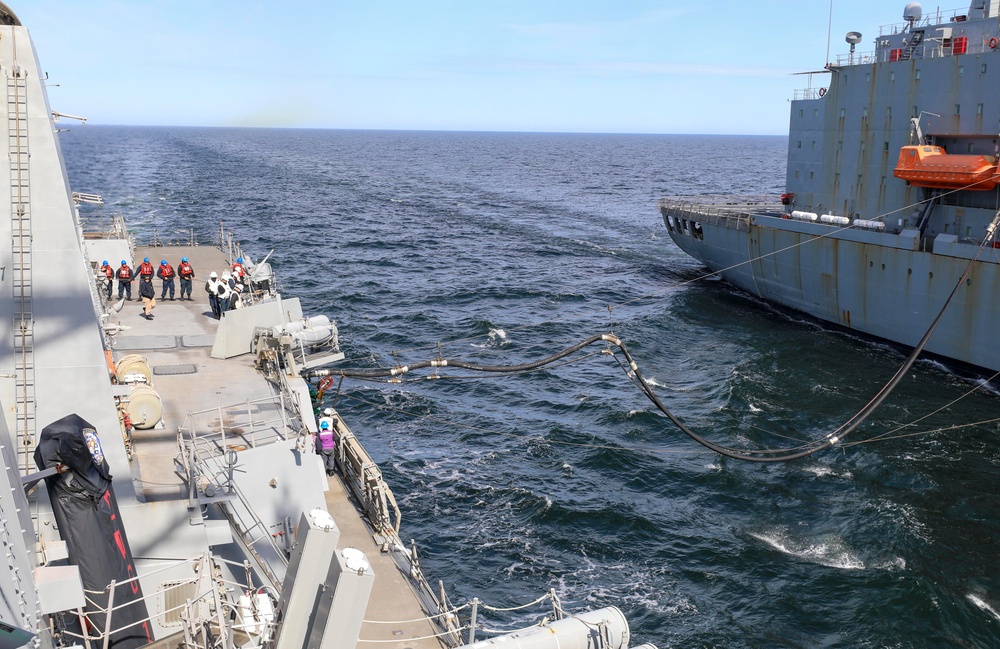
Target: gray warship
(891,192)
(161,483)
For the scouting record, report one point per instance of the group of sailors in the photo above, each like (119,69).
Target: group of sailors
(125,276)
(225,293)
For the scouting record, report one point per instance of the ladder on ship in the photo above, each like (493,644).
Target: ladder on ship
(24,365)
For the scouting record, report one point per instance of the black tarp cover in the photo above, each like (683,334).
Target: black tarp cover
(87,514)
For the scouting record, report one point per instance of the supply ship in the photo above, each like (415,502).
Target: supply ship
(162,485)
(891,199)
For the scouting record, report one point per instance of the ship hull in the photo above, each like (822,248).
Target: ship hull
(881,284)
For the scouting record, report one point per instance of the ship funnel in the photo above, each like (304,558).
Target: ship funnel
(913,12)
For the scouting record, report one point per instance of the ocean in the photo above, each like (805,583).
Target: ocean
(503,248)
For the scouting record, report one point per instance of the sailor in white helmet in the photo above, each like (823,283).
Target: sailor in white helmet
(212,288)
(222,286)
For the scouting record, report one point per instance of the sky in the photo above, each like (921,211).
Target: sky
(631,66)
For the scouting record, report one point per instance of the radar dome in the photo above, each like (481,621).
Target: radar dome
(853,38)
(913,12)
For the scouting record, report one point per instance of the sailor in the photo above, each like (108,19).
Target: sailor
(124,281)
(326,444)
(148,295)
(186,274)
(235,290)
(238,270)
(222,291)
(109,276)
(145,268)
(166,273)
(212,288)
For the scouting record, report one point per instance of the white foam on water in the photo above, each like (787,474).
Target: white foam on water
(496,337)
(823,471)
(654,382)
(975,599)
(895,564)
(830,553)
(754,408)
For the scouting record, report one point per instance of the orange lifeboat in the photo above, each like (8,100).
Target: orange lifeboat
(930,166)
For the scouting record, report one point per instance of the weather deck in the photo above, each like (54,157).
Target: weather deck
(233,395)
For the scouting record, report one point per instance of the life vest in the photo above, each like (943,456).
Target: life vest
(167,272)
(185,270)
(146,268)
(212,286)
(326,439)
(125,274)
(238,270)
(221,290)
(108,271)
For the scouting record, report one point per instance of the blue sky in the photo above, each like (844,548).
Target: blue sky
(509,65)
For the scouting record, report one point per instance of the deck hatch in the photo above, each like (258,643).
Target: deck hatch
(181,368)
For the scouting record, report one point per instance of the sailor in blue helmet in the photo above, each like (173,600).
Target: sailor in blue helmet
(145,269)
(239,272)
(109,276)
(125,280)
(186,273)
(166,273)
(326,443)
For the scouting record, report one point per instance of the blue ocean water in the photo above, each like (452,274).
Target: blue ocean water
(502,248)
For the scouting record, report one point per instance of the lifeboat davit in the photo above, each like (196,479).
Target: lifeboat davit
(930,166)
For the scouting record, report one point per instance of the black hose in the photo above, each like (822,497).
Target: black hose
(760,455)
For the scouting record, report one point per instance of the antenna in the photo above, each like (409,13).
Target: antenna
(829,30)
(853,38)
(912,13)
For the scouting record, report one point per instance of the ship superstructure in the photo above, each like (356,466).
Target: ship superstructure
(891,191)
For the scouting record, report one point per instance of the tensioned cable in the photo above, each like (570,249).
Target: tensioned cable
(659,451)
(751,455)
(492,431)
(886,435)
(693,280)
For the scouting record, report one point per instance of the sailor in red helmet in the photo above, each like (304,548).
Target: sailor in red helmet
(124,280)
(166,273)
(109,276)
(145,268)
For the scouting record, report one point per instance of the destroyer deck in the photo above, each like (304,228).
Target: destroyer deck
(198,390)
